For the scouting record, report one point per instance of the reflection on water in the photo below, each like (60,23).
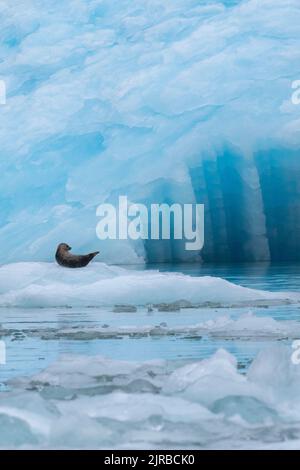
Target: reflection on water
(265,276)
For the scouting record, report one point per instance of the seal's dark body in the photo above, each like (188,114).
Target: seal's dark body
(66,259)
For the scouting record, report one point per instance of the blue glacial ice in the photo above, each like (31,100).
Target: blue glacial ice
(175,101)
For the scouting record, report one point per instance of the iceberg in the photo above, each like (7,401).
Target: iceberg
(177,101)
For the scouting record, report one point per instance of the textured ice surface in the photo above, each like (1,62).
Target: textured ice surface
(168,101)
(93,402)
(49,285)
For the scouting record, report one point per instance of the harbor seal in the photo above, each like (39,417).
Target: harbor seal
(68,260)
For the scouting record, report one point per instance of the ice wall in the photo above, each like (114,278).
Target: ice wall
(174,101)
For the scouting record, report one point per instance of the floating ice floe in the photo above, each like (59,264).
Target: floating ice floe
(80,402)
(48,285)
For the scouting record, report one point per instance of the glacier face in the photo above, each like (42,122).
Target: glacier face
(175,101)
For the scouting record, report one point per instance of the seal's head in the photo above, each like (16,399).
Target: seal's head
(64,247)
